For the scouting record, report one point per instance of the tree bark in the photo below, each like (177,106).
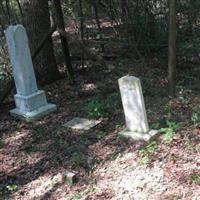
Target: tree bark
(81,30)
(172,48)
(64,41)
(37,23)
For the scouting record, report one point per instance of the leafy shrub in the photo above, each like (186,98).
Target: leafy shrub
(11,187)
(169,131)
(146,152)
(194,178)
(103,106)
(95,109)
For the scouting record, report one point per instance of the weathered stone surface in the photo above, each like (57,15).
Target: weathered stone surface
(20,57)
(81,124)
(30,102)
(134,109)
(69,177)
(35,114)
(133,104)
(150,135)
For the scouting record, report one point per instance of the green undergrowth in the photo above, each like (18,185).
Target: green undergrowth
(102,107)
(194,178)
(147,152)
(195,117)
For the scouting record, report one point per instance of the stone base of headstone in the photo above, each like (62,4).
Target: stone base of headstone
(33,115)
(150,135)
(32,107)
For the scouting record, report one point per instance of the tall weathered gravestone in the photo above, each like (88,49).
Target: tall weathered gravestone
(30,102)
(134,109)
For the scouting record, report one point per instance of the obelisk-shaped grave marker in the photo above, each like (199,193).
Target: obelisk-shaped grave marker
(30,102)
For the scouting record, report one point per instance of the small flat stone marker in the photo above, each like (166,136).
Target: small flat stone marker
(69,177)
(81,124)
(134,109)
(30,102)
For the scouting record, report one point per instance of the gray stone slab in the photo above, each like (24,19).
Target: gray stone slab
(81,124)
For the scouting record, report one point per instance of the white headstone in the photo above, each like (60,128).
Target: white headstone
(30,102)
(134,108)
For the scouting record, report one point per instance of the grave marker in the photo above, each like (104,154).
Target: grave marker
(134,109)
(78,123)
(30,102)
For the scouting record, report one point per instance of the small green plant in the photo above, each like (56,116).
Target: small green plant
(1,143)
(191,146)
(168,136)
(103,105)
(11,187)
(182,95)
(169,131)
(144,158)
(77,196)
(115,155)
(146,152)
(184,100)
(151,147)
(168,109)
(196,116)
(95,109)
(155,125)
(88,191)
(100,134)
(173,125)
(194,178)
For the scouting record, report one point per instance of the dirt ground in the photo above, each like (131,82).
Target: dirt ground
(34,156)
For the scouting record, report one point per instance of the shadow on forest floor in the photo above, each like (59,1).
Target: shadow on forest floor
(35,155)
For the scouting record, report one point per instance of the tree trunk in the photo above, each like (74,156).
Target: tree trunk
(96,12)
(64,41)
(82,30)
(37,23)
(172,48)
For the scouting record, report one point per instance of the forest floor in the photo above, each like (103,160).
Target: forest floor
(34,156)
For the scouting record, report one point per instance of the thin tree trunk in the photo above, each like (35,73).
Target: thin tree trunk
(172,48)
(64,42)
(20,10)
(82,31)
(96,12)
(8,10)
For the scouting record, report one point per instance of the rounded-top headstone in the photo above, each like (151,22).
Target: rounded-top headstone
(21,61)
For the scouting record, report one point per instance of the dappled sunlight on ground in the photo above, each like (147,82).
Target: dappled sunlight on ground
(40,187)
(35,155)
